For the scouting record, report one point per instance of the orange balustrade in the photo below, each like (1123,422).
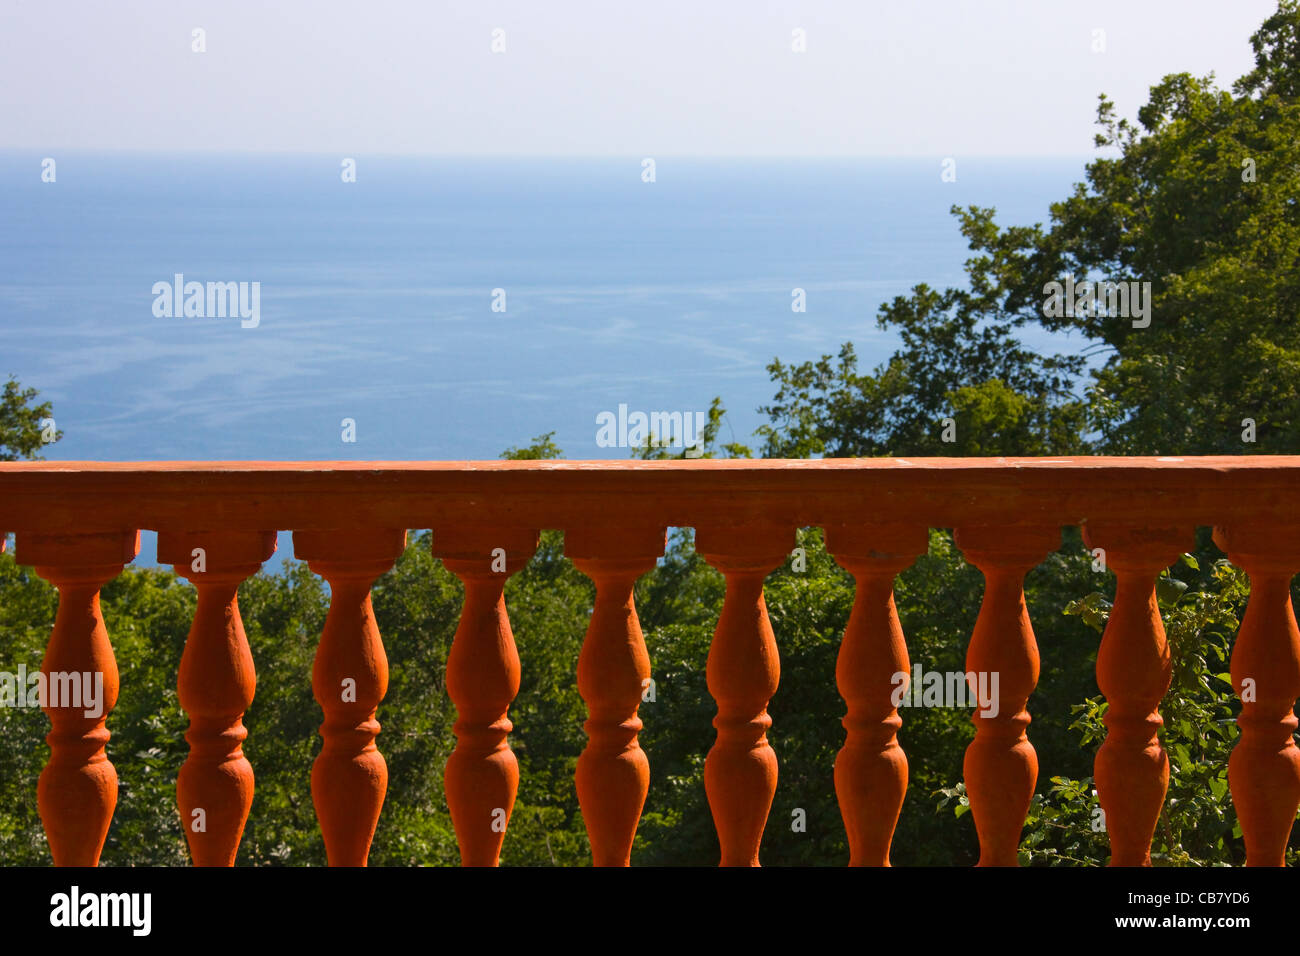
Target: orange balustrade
(348,680)
(1001,766)
(215,788)
(1264,769)
(1133,672)
(742,672)
(77,791)
(482,775)
(871,769)
(613,774)
(78,523)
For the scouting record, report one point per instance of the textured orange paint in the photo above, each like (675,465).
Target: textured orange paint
(482,775)
(871,768)
(77,790)
(1133,672)
(613,774)
(1264,769)
(743,671)
(1001,767)
(217,682)
(348,679)
(48,496)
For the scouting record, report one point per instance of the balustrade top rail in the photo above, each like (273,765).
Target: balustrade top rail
(82,496)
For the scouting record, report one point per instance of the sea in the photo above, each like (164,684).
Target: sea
(420,308)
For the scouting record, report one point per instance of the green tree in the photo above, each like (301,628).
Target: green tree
(1201,202)
(22,424)
(655,447)
(960,386)
(541,447)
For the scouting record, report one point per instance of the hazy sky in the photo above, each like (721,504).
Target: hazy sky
(663,77)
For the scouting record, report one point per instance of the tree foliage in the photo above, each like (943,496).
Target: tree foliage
(23,425)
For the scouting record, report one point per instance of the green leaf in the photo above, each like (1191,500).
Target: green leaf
(1169,591)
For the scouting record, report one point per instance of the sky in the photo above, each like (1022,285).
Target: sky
(608,78)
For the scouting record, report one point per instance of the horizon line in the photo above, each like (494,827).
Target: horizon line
(173,151)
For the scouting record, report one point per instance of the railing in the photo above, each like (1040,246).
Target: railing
(77,523)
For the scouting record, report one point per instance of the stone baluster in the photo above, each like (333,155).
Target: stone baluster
(214,790)
(1001,767)
(77,790)
(871,769)
(1133,672)
(613,774)
(1264,769)
(349,678)
(743,671)
(482,775)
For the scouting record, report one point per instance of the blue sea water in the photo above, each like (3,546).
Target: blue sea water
(376,296)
